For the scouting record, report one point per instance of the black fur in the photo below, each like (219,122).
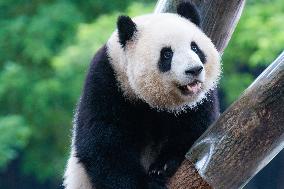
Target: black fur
(189,11)
(111,132)
(126,29)
(165,60)
(198,51)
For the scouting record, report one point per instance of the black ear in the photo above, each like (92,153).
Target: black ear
(126,29)
(189,11)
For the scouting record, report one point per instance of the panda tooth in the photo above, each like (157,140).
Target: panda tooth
(189,87)
(194,87)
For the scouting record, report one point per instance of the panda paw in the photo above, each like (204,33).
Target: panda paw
(158,170)
(164,170)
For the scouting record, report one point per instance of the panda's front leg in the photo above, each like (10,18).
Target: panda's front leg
(164,168)
(110,160)
(169,160)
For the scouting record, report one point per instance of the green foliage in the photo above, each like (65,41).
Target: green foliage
(45,41)
(14,137)
(103,7)
(257,41)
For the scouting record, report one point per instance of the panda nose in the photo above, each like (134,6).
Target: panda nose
(194,71)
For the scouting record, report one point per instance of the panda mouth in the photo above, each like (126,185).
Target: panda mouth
(191,88)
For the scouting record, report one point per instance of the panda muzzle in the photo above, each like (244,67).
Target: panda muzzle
(191,88)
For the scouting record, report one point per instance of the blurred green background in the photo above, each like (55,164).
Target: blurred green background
(45,49)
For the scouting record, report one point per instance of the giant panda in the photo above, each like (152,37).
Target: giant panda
(150,92)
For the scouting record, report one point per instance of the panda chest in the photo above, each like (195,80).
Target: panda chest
(155,138)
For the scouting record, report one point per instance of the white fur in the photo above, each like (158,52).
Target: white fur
(75,176)
(137,66)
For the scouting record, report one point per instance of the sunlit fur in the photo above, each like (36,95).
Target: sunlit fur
(75,176)
(136,65)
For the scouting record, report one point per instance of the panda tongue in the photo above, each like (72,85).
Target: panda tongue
(194,87)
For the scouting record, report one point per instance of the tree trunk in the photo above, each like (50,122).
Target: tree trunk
(250,133)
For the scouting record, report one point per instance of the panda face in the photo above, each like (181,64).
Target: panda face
(169,62)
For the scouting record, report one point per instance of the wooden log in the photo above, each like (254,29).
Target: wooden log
(243,140)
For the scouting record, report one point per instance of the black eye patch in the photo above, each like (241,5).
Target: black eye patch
(196,49)
(165,60)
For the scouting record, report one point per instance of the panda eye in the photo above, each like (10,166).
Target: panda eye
(198,51)
(194,47)
(167,53)
(165,61)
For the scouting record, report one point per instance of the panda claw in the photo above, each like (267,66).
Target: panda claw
(157,173)
(165,167)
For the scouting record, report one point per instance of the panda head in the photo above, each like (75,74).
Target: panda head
(164,59)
